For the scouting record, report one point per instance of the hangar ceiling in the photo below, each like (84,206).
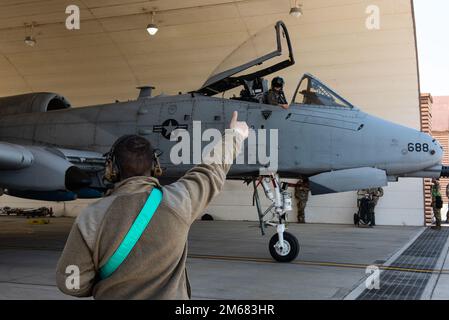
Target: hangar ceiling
(112,53)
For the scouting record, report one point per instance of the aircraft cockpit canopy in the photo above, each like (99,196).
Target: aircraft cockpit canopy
(312,91)
(264,53)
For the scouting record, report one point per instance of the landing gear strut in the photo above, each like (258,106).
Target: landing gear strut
(283,246)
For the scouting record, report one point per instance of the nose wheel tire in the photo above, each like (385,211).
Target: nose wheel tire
(286,251)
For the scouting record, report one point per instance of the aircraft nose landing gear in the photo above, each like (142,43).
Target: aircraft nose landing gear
(283,246)
(285,251)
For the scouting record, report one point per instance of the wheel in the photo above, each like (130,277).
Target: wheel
(356,219)
(289,250)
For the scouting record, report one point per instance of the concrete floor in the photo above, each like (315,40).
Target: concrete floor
(227,260)
(438,287)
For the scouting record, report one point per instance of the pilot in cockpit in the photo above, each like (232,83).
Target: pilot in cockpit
(275,95)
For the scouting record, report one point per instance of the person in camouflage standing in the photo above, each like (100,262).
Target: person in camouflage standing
(376,194)
(437,203)
(302,195)
(447,195)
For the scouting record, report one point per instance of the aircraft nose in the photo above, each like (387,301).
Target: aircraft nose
(432,150)
(427,157)
(436,149)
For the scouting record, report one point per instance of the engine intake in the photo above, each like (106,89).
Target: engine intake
(32,102)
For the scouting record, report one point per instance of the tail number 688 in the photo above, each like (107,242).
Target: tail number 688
(418,147)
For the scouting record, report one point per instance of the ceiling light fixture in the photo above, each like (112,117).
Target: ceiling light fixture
(30,41)
(152,27)
(296,10)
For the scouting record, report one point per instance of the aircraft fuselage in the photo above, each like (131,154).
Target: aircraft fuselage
(312,139)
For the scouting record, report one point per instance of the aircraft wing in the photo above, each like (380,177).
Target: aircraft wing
(39,169)
(347,180)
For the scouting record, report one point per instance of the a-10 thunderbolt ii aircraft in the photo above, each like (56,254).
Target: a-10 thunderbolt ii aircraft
(50,151)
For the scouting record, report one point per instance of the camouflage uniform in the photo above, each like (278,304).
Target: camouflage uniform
(447,195)
(302,195)
(373,194)
(436,211)
(360,195)
(376,194)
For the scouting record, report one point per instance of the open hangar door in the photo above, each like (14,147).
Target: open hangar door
(376,68)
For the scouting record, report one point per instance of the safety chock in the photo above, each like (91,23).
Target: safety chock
(38,221)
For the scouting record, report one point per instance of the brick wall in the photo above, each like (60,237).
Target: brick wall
(426,102)
(443,139)
(438,109)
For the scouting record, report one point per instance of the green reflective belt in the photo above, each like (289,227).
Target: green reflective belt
(133,235)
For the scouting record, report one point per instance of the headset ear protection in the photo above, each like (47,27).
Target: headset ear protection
(112,174)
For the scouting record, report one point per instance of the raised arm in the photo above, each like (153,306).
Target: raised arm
(191,194)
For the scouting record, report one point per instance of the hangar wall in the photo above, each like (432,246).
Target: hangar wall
(374,69)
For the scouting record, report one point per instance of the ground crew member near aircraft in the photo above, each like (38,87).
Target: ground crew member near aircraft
(373,195)
(117,248)
(365,208)
(360,195)
(302,195)
(275,95)
(376,194)
(447,196)
(437,203)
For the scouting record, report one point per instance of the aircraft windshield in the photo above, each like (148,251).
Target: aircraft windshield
(313,92)
(264,53)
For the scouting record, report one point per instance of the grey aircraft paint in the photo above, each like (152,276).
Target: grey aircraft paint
(50,151)
(323,139)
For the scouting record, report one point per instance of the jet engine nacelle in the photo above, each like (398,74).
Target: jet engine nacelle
(57,195)
(48,171)
(347,180)
(14,156)
(32,102)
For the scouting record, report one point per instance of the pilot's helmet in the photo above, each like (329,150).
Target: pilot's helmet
(277,82)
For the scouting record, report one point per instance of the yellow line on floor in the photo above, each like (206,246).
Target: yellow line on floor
(314,263)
